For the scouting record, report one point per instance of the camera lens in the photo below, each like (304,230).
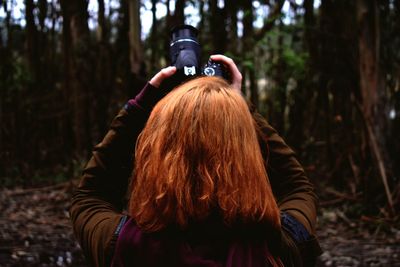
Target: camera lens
(183,32)
(184,47)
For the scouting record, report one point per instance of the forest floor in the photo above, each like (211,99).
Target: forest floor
(35,231)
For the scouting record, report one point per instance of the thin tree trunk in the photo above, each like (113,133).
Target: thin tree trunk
(67,83)
(178,18)
(103,75)
(369,54)
(8,10)
(42,4)
(135,37)
(335,72)
(370,86)
(1,30)
(232,10)
(179,14)
(81,71)
(167,30)
(218,31)
(154,60)
(66,45)
(167,3)
(297,131)
(102,29)
(31,39)
(3,93)
(201,15)
(42,60)
(281,83)
(248,45)
(53,39)
(310,24)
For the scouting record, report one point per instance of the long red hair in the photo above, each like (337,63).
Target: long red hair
(199,152)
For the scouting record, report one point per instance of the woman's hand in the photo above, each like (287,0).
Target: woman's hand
(233,69)
(161,75)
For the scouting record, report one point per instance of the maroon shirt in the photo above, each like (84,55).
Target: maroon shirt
(210,244)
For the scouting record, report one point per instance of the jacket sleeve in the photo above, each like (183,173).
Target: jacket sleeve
(98,202)
(294,193)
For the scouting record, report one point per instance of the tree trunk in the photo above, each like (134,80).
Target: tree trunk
(32,40)
(167,3)
(154,60)
(122,57)
(279,77)
(179,14)
(66,45)
(43,59)
(8,10)
(135,37)
(332,72)
(3,93)
(297,132)
(248,45)
(102,29)
(81,71)
(1,27)
(232,21)
(369,54)
(370,85)
(201,15)
(104,74)
(42,4)
(310,24)
(217,27)
(167,29)
(53,39)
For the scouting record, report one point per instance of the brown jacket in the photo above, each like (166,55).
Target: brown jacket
(98,203)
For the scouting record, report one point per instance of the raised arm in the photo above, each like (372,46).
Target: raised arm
(293,191)
(97,204)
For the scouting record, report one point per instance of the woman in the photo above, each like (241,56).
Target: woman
(202,190)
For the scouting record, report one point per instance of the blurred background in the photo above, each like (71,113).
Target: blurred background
(325,74)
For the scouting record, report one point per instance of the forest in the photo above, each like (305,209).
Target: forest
(325,74)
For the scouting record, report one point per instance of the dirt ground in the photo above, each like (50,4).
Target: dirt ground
(35,231)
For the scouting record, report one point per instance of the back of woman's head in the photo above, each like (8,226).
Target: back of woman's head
(199,153)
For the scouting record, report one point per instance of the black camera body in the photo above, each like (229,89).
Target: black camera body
(185,55)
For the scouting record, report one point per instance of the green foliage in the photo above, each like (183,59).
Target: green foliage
(282,49)
(295,61)
(248,64)
(14,74)
(282,61)
(247,13)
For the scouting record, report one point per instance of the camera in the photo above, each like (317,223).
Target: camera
(185,55)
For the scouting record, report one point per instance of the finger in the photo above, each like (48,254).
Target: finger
(161,75)
(233,69)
